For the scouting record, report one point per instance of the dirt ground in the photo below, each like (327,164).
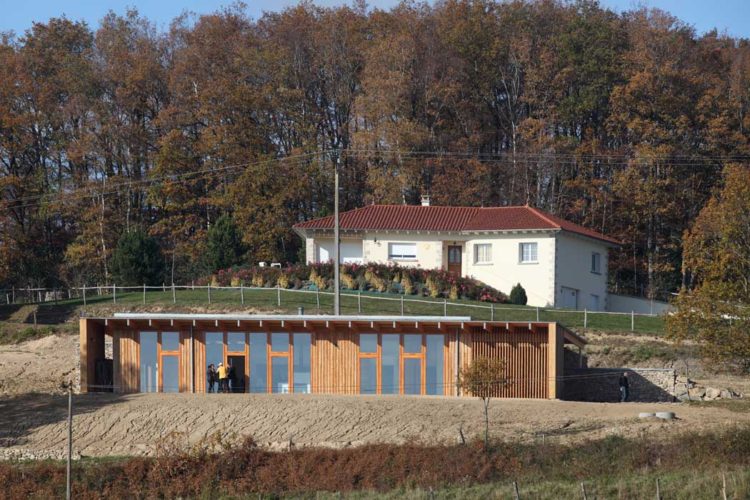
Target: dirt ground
(34,426)
(41,365)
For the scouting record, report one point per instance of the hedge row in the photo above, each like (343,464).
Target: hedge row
(388,278)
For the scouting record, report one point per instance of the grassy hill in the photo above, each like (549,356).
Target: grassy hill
(289,301)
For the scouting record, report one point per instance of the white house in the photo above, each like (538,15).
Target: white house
(559,264)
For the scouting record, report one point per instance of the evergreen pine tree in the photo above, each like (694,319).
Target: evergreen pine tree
(224,246)
(137,260)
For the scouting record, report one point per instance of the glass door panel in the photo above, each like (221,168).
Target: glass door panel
(389,368)
(170,373)
(368,376)
(170,341)
(258,363)
(302,363)
(280,374)
(412,376)
(435,353)
(149,362)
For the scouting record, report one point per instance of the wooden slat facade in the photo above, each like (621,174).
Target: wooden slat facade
(532,352)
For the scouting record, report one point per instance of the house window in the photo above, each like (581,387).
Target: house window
(527,252)
(596,263)
(483,253)
(402,251)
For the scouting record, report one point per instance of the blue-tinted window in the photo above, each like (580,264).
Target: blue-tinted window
(280,375)
(302,362)
(434,368)
(170,341)
(280,342)
(149,362)
(236,342)
(412,376)
(389,368)
(368,375)
(368,343)
(170,373)
(258,363)
(413,343)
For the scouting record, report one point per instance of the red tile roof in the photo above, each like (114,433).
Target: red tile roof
(449,219)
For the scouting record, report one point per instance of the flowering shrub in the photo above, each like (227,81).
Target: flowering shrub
(373,277)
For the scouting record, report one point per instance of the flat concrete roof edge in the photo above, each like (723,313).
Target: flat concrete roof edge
(283,317)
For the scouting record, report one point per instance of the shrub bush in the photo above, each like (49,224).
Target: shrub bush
(518,295)
(435,283)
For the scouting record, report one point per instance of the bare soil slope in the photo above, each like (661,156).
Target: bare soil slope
(34,426)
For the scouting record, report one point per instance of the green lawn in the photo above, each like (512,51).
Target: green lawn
(365,303)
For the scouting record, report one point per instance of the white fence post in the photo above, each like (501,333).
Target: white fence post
(537,313)
(208,287)
(278,295)
(242,292)
(317,298)
(84,295)
(632,321)
(114,293)
(445,307)
(585,318)
(174,294)
(359,301)
(402,305)
(492,311)
(144,294)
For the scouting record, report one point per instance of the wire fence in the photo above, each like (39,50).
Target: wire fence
(321,302)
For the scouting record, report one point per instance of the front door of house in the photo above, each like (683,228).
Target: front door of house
(454,259)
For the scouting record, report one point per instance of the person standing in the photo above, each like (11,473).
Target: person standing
(232,379)
(624,387)
(223,378)
(211,378)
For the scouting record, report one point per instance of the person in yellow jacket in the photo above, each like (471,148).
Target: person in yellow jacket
(223,373)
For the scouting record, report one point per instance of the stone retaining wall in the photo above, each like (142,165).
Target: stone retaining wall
(602,384)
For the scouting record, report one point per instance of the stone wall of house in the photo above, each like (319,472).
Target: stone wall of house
(602,384)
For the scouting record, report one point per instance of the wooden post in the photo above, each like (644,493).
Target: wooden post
(492,311)
(632,321)
(192,285)
(658,490)
(359,301)
(208,287)
(402,305)
(242,293)
(144,294)
(70,441)
(34,318)
(445,307)
(114,293)
(317,298)
(515,491)
(163,287)
(537,314)
(278,295)
(174,294)
(13,295)
(583,490)
(723,486)
(84,295)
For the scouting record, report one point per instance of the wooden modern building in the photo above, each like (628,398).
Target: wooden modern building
(318,354)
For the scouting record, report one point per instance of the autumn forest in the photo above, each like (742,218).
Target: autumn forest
(621,122)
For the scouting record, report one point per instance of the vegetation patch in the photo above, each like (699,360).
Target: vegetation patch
(247,469)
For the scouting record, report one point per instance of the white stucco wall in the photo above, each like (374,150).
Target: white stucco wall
(321,250)
(506,270)
(429,249)
(574,271)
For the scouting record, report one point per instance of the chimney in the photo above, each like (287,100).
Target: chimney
(425,200)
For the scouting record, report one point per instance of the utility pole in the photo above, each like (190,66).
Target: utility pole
(336,243)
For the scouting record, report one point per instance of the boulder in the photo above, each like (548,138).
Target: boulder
(711,394)
(698,392)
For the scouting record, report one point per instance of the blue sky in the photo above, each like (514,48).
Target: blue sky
(732,16)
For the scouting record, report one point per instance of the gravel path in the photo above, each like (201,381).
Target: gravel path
(33,425)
